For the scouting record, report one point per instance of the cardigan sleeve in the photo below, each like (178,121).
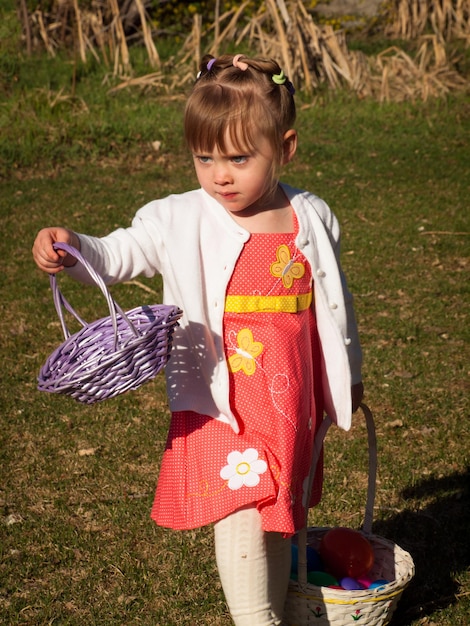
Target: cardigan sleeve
(127,252)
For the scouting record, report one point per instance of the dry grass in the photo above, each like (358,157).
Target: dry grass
(395,76)
(313,55)
(448,19)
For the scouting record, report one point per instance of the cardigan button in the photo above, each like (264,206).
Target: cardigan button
(347,341)
(333,305)
(321,273)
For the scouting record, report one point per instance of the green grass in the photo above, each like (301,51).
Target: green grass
(76,542)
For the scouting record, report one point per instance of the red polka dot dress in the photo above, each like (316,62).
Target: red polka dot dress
(273,355)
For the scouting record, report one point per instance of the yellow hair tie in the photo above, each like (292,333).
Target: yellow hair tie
(279,79)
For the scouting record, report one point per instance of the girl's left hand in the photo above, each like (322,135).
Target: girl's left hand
(357,393)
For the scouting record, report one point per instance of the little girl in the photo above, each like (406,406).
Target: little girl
(268,340)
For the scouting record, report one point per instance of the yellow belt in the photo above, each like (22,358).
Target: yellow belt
(268,304)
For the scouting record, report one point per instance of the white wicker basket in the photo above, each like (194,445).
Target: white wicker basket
(309,604)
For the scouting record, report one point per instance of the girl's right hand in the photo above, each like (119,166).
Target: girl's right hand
(48,259)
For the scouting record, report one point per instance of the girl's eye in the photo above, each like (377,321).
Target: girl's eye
(203,159)
(239,159)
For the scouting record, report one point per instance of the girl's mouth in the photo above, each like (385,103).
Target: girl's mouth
(228,195)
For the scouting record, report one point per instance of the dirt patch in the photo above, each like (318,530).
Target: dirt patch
(360,8)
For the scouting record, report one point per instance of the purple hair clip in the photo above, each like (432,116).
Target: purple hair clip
(208,68)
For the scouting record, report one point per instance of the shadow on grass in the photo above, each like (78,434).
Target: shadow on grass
(437,536)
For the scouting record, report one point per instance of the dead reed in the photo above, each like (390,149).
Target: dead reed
(409,19)
(313,55)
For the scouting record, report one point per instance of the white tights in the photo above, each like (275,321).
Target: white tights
(254,568)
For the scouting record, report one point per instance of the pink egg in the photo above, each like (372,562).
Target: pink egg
(365,582)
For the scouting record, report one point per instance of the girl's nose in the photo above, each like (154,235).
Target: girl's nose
(222,175)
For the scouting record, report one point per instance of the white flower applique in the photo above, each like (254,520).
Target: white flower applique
(243,468)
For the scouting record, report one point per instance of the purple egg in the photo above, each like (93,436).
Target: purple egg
(350,584)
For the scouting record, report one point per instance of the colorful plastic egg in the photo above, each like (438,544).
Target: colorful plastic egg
(314,562)
(346,552)
(294,558)
(321,579)
(350,584)
(378,584)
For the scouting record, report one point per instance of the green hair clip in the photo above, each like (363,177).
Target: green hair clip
(279,79)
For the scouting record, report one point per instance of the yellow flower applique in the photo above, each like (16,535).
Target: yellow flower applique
(285,268)
(246,353)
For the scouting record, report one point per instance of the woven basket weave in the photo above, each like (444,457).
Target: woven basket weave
(111,355)
(309,604)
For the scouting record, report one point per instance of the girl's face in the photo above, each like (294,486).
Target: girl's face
(240,182)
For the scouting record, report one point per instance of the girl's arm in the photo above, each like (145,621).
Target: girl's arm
(48,259)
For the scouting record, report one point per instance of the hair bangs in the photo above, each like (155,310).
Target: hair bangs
(218,113)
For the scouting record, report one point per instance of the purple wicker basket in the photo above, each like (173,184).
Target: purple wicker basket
(111,355)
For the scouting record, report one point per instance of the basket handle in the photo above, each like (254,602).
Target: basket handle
(371,484)
(61,302)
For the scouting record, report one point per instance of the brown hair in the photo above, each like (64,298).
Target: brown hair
(242,102)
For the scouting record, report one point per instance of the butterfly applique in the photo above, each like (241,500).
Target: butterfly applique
(246,353)
(286,268)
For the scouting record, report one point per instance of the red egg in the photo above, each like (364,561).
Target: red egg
(346,552)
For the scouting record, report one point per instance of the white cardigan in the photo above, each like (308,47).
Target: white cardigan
(194,244)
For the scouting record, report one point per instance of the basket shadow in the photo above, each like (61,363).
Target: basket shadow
(190,371)
(436,535)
